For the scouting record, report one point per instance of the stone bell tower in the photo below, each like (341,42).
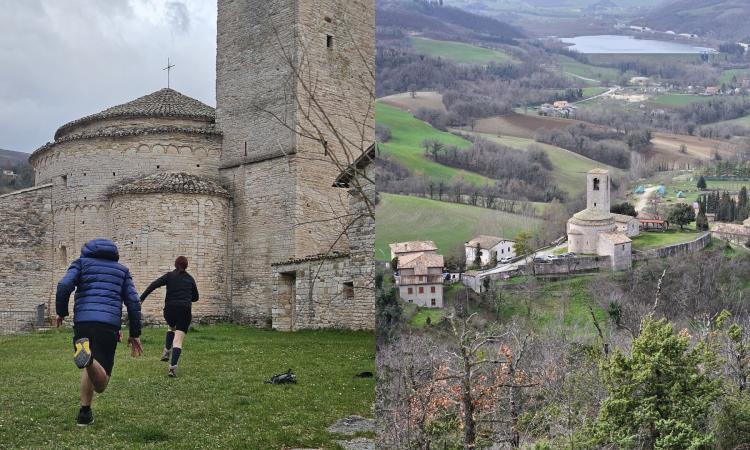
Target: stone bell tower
(294,91)
(598,190)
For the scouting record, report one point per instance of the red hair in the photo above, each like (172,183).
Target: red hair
(181,263)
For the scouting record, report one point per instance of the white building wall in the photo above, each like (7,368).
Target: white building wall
(426,298)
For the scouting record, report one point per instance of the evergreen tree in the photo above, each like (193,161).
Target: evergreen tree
(660,395)
(681,214)
(624,208)
(702,183)
(478,256)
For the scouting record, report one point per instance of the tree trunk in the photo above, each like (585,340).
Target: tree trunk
(469,426)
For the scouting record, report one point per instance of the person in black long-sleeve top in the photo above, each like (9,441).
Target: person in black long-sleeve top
(182,292)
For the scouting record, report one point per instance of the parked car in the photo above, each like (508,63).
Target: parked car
(540,259)
(506,260)
(550,258)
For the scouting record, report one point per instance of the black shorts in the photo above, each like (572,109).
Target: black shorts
(102,339)
(178,317)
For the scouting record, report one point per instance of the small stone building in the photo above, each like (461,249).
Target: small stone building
(628,225)
(594,231)
(732,232)
(489,246)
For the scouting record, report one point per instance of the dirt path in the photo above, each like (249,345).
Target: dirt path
(642,202)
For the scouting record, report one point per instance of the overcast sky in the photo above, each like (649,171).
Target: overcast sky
(63,59)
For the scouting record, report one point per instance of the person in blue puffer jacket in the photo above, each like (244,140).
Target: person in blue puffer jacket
(101,286)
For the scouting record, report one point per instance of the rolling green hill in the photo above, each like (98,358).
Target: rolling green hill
(459,52)
(569,166)
(405,145)
(402,218)
(723,19)
(587,71)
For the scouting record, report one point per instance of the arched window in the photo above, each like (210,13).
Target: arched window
(596,184)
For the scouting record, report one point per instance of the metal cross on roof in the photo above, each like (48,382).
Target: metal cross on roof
(168,69)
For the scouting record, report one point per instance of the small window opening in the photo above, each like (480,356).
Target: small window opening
(83,222)
(596,184)
(158,166)
(328,19)
(84,174)
(197,165)
(65,180)
(114,174)
(329,41)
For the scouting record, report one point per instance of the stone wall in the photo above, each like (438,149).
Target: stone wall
(580,264)
(26,227)
(677,249)
(317,293)
(151,230)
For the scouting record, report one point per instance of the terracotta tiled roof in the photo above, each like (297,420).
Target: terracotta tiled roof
(178,182)
(162,103)
(423,262)
(413,246)
(615,238)
(599,171)
(623,218)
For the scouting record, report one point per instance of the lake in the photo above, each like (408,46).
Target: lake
(628,44)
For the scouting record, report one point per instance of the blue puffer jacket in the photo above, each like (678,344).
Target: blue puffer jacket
(102,285)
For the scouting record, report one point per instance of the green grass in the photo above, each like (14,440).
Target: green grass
(420,318)
(726,75)
(607,59)
(574,67)
(459,52)
(405,145)
(402,218)
(674,100)
(654,239)
(688,187)
(742,121)
(593,91)
(219,399)
(549,302)
(569,167)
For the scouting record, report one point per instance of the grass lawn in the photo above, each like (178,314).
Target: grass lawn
(459,52)
(678,99)
(404,218)
(593,91)
(619,58)
(570,168)
(420,318)
(549,302)
(690,190)
(407,134)
(739,74)
(219,399)
(654,239)
(583,70)
(743,121)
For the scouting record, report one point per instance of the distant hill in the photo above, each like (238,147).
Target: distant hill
(444,22)
(9,158)
(718,19)
(23,173)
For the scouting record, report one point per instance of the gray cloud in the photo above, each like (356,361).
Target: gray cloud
(179,16)
(61,60)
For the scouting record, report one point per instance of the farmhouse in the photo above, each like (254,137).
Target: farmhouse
(594,230)
(489,247)
(254,206)
(420,279)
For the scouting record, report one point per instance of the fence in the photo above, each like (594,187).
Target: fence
(12,322)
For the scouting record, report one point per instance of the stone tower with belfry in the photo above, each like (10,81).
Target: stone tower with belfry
(598,190)
(295,105)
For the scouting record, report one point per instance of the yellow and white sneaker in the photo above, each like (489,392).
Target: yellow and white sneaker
(82,354)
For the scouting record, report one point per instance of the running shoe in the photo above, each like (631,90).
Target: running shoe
(165,355)
(172,372)
(82,353)
(85,418)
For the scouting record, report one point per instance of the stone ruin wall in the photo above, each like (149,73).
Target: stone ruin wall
(151,230)
(26,230)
